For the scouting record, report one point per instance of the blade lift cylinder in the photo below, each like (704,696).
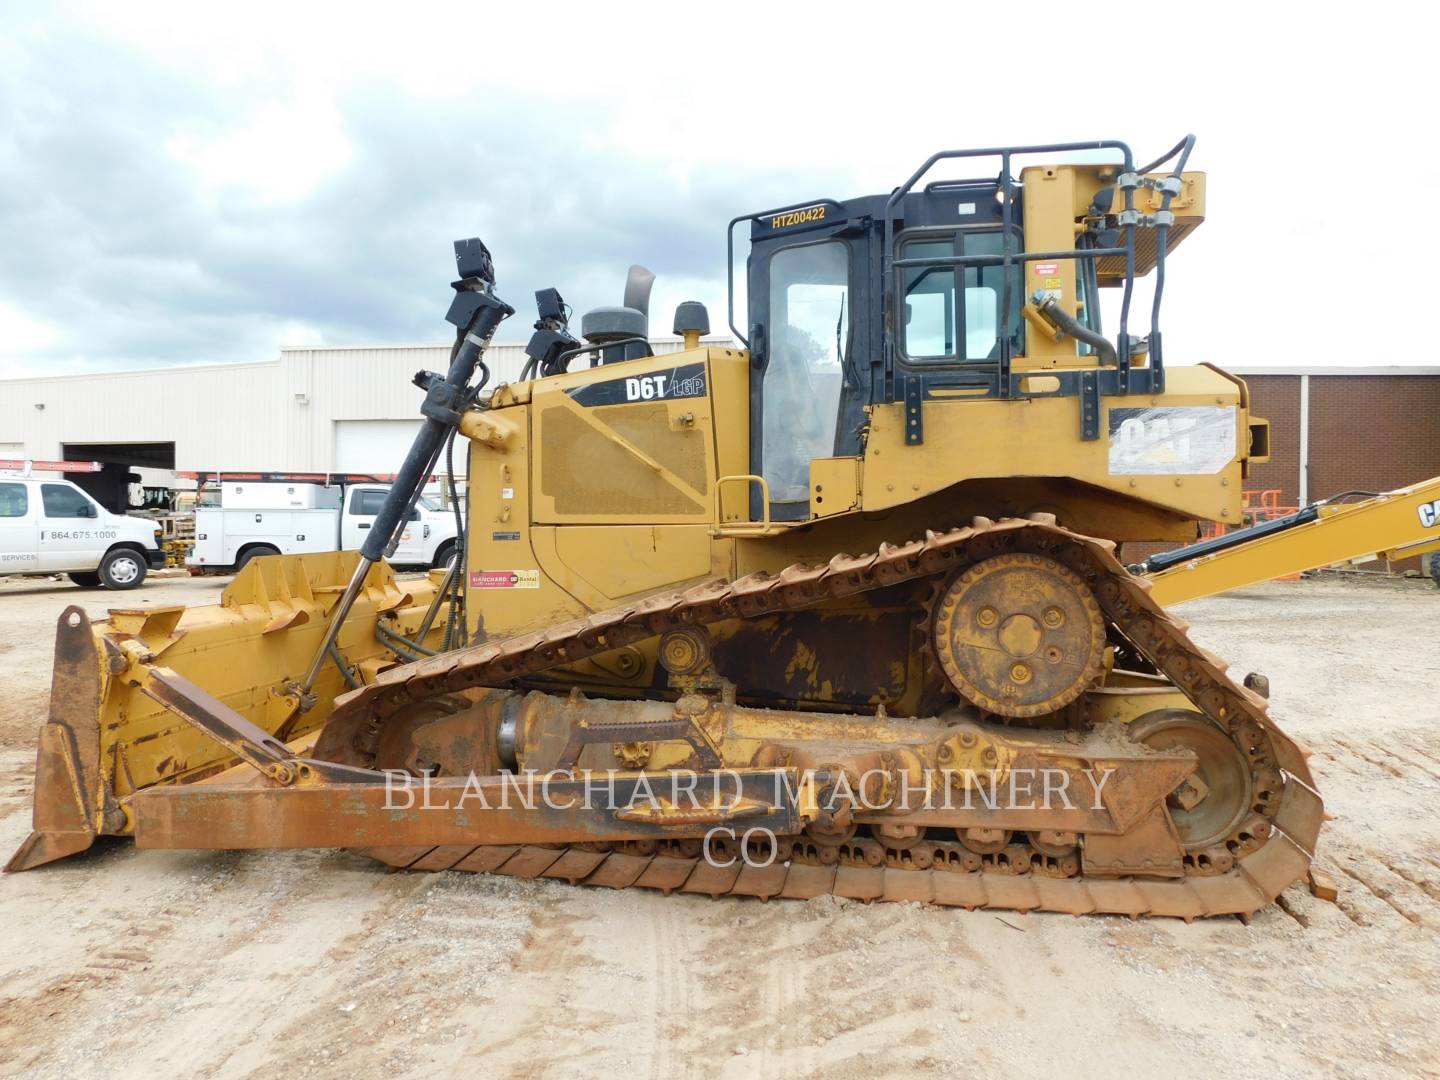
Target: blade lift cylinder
(476,312)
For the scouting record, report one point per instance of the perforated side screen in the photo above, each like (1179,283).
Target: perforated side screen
(648,427)
(587,473)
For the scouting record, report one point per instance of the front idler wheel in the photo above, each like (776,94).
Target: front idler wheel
(1213,802)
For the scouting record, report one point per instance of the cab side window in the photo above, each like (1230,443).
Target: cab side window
(946,325)
(14,501)
(367,503)
(65,502)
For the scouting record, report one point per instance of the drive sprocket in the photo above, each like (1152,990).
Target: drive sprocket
(1019,634)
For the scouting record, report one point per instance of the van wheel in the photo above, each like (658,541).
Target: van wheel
(253,553)
(444,556)
(86,579)
(122,568)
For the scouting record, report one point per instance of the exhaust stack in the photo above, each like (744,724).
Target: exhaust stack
(622,332)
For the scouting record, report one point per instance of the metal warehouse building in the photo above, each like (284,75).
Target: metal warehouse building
(330,409)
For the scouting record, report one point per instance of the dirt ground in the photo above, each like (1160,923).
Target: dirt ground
(320,963)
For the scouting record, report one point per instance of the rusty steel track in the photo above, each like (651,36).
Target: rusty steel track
(1256,881)
(1269,850)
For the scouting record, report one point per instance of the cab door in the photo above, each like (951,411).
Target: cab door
(808,378)
(361,508)
(19,528)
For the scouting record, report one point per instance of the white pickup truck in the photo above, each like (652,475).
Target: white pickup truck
(51,526)
(270,518)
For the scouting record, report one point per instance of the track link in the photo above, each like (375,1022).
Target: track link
(1256,881)
(1264,855)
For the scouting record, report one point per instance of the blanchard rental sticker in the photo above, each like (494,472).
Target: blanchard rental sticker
(683,381)
(1178,441)
(504,579)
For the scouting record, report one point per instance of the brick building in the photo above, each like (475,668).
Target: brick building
(1344,429)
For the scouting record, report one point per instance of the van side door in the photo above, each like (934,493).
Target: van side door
(72,533)
(19,528)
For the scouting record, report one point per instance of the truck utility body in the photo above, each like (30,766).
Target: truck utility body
(51,526)
(270,518)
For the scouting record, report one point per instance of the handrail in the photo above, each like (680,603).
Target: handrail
(730,253)
(1006,185)
(1019,256)
(763,527)
(1128,181)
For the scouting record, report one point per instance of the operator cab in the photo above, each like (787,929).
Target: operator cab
(953,290)
(815,326)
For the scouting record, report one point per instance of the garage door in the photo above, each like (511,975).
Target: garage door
(373,446)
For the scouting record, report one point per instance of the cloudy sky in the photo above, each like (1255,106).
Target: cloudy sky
(184,183)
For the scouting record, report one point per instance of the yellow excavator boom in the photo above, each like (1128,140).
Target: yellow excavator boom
(1397,524)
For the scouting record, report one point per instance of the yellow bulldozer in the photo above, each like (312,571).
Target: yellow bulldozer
(837,609)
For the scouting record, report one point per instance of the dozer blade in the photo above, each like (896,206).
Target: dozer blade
(67,776)
(113,730)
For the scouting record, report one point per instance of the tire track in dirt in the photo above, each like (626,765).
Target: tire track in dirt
(1425,753)
(200,960)
(1430,886)
(1409,762)
(17,783)
(411,983)
(1375,888)
(1381,893)
(1378,763)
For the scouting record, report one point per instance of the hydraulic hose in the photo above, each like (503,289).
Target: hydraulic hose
(1049,307)
(454,581)
(1162,236)
(444,401)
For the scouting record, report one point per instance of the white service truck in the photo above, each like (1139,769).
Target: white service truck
(269,518)
(52,527)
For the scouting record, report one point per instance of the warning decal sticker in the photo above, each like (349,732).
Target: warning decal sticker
(1179,441)
(504,579)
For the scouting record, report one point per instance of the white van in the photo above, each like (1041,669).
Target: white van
(51,526)
(268,518)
